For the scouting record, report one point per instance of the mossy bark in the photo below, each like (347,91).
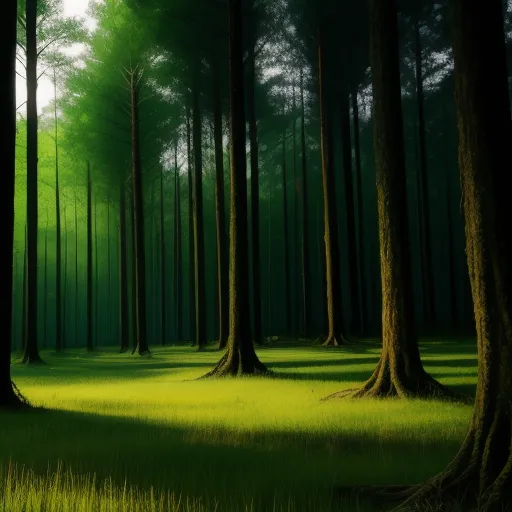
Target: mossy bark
(399,371)
(9,398)
(240,357)
(482,470)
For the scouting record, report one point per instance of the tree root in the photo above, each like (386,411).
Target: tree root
(336,341)
(233,365)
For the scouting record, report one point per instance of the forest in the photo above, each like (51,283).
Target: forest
(257,256)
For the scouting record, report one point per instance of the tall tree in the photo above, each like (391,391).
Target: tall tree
(89,338)
(399,371)
(9,398)
(482,470)
(240,357)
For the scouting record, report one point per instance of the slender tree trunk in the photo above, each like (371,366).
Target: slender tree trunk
(199,275)
(454,317)
(295,320)
(31,354)
(90,291)
(45,287)
(191,245)
(123,272)
(178,281)
(306,276)
(96,277)
(240,357)
(286,239)
(65,284)
(109,275)
(77,304)
(360,215)
(353,264)
(142,347)
(482,470)
(24,312)
(399,371)
(426,249)
(332,253)
(220,219)
(163,289)
(58,247)
(9,398)
(255,197)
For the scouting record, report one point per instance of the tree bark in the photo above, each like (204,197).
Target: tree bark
(220,218)
(332,253)
(191,245)
(89,330)
(58,246)
(31,354)
(353,264)
(124,337)
(45,286)
(399,371)
(482,470)
(286,239)
(141,341)
(75,317)
(199,275)
(240,357)
(9,397)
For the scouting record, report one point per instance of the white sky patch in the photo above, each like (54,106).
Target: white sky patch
(45,89)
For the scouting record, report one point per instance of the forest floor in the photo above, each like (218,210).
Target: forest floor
(125,433)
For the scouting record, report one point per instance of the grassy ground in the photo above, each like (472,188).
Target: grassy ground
(128,433)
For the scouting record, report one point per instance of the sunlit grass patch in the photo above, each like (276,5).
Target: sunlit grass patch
(147,428)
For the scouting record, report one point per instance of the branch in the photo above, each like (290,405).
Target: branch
(48,44)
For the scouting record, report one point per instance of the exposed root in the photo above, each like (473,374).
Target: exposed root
(335,341)
(234,364)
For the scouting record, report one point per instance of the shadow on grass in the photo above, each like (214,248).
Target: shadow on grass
(213,462)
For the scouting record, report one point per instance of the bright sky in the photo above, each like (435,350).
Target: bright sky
(45,91)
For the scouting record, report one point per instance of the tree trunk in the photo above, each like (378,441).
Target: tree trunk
(255,196)
(96,276)
(454,317)
(31,354)
(58,247)
(163,274)
(123,271)
(177,249)
(89,330)
(75,316)
(9,398)
(353,264)
(360,214)
(399,371)
(482,470)
(45,286)
(220,218)
(141,343)
(191,245)
(332,253)
(295,319)
(306,277)
(24,312)
(425,237)
(240,357)
(200,292)
(65,283)
(286,238)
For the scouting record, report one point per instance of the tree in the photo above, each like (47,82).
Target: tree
(482,469)
(399,371)
(9,397)
(240,357)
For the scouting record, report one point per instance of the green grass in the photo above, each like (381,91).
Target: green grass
(128,433)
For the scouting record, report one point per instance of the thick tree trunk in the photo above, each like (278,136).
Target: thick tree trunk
(255,197)
(332,253)
(89,329)
(306,276)
(9,398)
(399,371)
(360,214)
(220,219)
(199,275)
(191,245)
(424,205)
(353,264)
(240,357)
(177,249)
(31,354)
(286,240)
(141,342)
(482,470)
